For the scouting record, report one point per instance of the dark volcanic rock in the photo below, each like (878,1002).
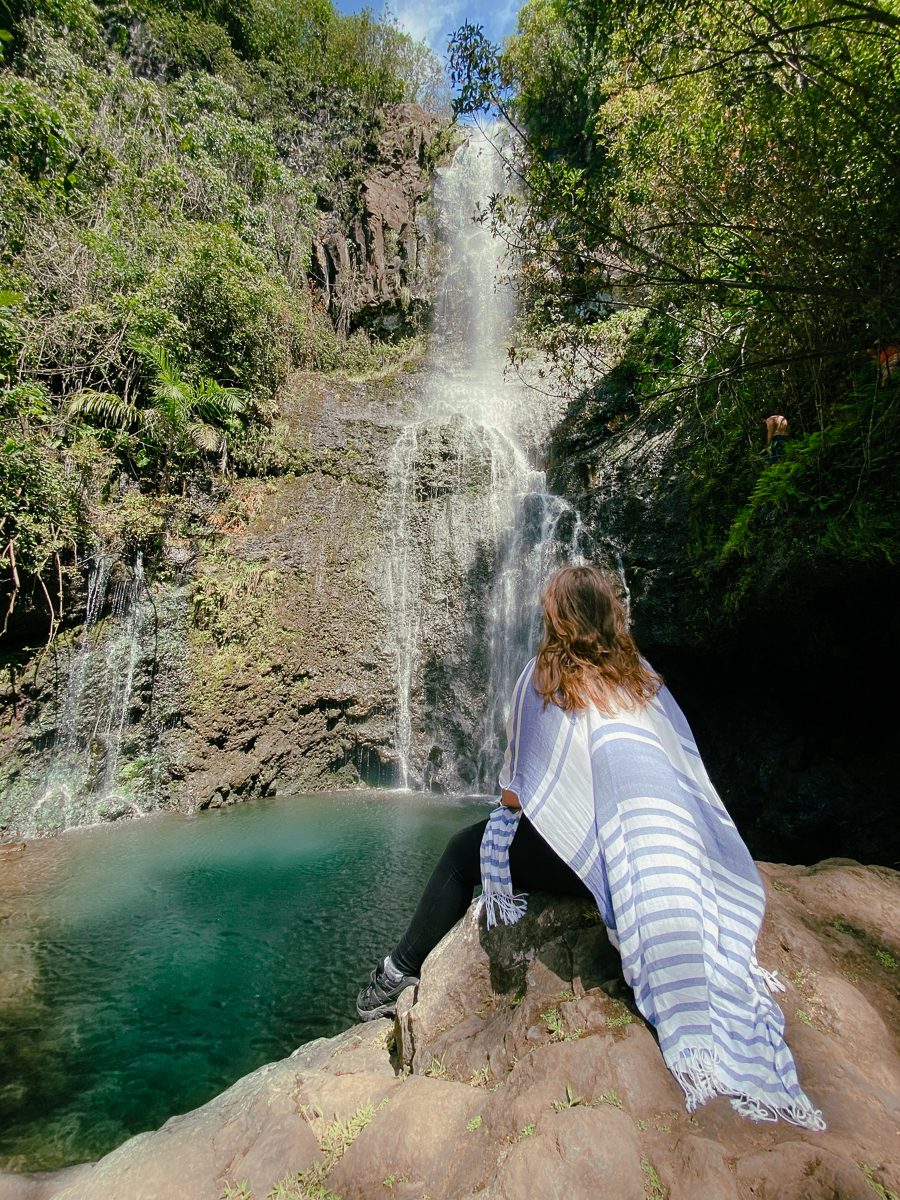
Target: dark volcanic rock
(379,268)
(291,674)
(780,689)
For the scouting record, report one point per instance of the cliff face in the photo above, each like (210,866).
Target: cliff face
(289,664)
(520,1068)
(254,653)
(378,271)
(261,661)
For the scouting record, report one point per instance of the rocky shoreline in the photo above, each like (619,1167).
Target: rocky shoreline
(520,1068)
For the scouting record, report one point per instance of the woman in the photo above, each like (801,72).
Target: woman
(604,794)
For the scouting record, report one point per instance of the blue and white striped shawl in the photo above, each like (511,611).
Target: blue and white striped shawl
(627,802)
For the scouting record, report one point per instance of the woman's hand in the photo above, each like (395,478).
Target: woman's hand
(509,799)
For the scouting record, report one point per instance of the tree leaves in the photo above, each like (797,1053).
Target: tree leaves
(728,169)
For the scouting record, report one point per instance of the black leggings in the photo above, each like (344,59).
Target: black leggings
(448,893)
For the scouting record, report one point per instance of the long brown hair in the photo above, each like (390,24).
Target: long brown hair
(587,653)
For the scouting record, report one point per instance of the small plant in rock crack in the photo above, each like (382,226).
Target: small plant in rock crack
(553,1021)
(236,1191)
(437,1069)
(338,1135)
(653,1188)
(391,1181)
(571,1100)
(882,1192)
(622,1018)
(307,1185)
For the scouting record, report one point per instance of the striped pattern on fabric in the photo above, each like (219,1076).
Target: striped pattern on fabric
(627,802)
(497,898)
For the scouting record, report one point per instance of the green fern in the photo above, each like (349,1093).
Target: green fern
(181,418)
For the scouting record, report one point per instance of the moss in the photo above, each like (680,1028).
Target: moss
(240,632)
(880,1190)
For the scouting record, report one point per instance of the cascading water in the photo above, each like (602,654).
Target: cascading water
(474,532)
(95,697)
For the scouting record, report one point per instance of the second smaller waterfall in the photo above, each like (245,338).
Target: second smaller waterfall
(95,695)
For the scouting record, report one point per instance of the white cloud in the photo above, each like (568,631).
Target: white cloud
(429,22)
(434,21)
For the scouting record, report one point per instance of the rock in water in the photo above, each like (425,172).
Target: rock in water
(520,1069)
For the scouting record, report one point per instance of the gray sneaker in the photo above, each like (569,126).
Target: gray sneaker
(379,997)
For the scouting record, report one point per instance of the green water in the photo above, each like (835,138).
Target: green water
(144,968)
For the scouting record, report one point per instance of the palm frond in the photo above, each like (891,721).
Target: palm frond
(107,408)
(204,437)
(216,403)
(171,392)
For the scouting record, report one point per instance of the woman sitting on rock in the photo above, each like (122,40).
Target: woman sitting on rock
(604,795)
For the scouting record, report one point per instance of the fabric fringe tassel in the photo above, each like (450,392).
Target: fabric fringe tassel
(500,908)
(769,978)
(696,1071)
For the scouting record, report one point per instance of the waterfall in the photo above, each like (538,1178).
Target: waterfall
(94,701)
(473,531)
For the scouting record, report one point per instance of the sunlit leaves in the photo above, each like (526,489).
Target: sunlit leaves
(731,170)
(474,64)
(181,417)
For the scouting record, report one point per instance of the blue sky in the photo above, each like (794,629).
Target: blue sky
(434,22)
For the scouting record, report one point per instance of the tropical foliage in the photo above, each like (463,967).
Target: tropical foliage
(161,167)
(706,213)
(180,420)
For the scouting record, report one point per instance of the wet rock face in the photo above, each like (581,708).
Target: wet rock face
(521,1068)
(267,664)
(380,268)
(443,565)
(291,684)
(88,723)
